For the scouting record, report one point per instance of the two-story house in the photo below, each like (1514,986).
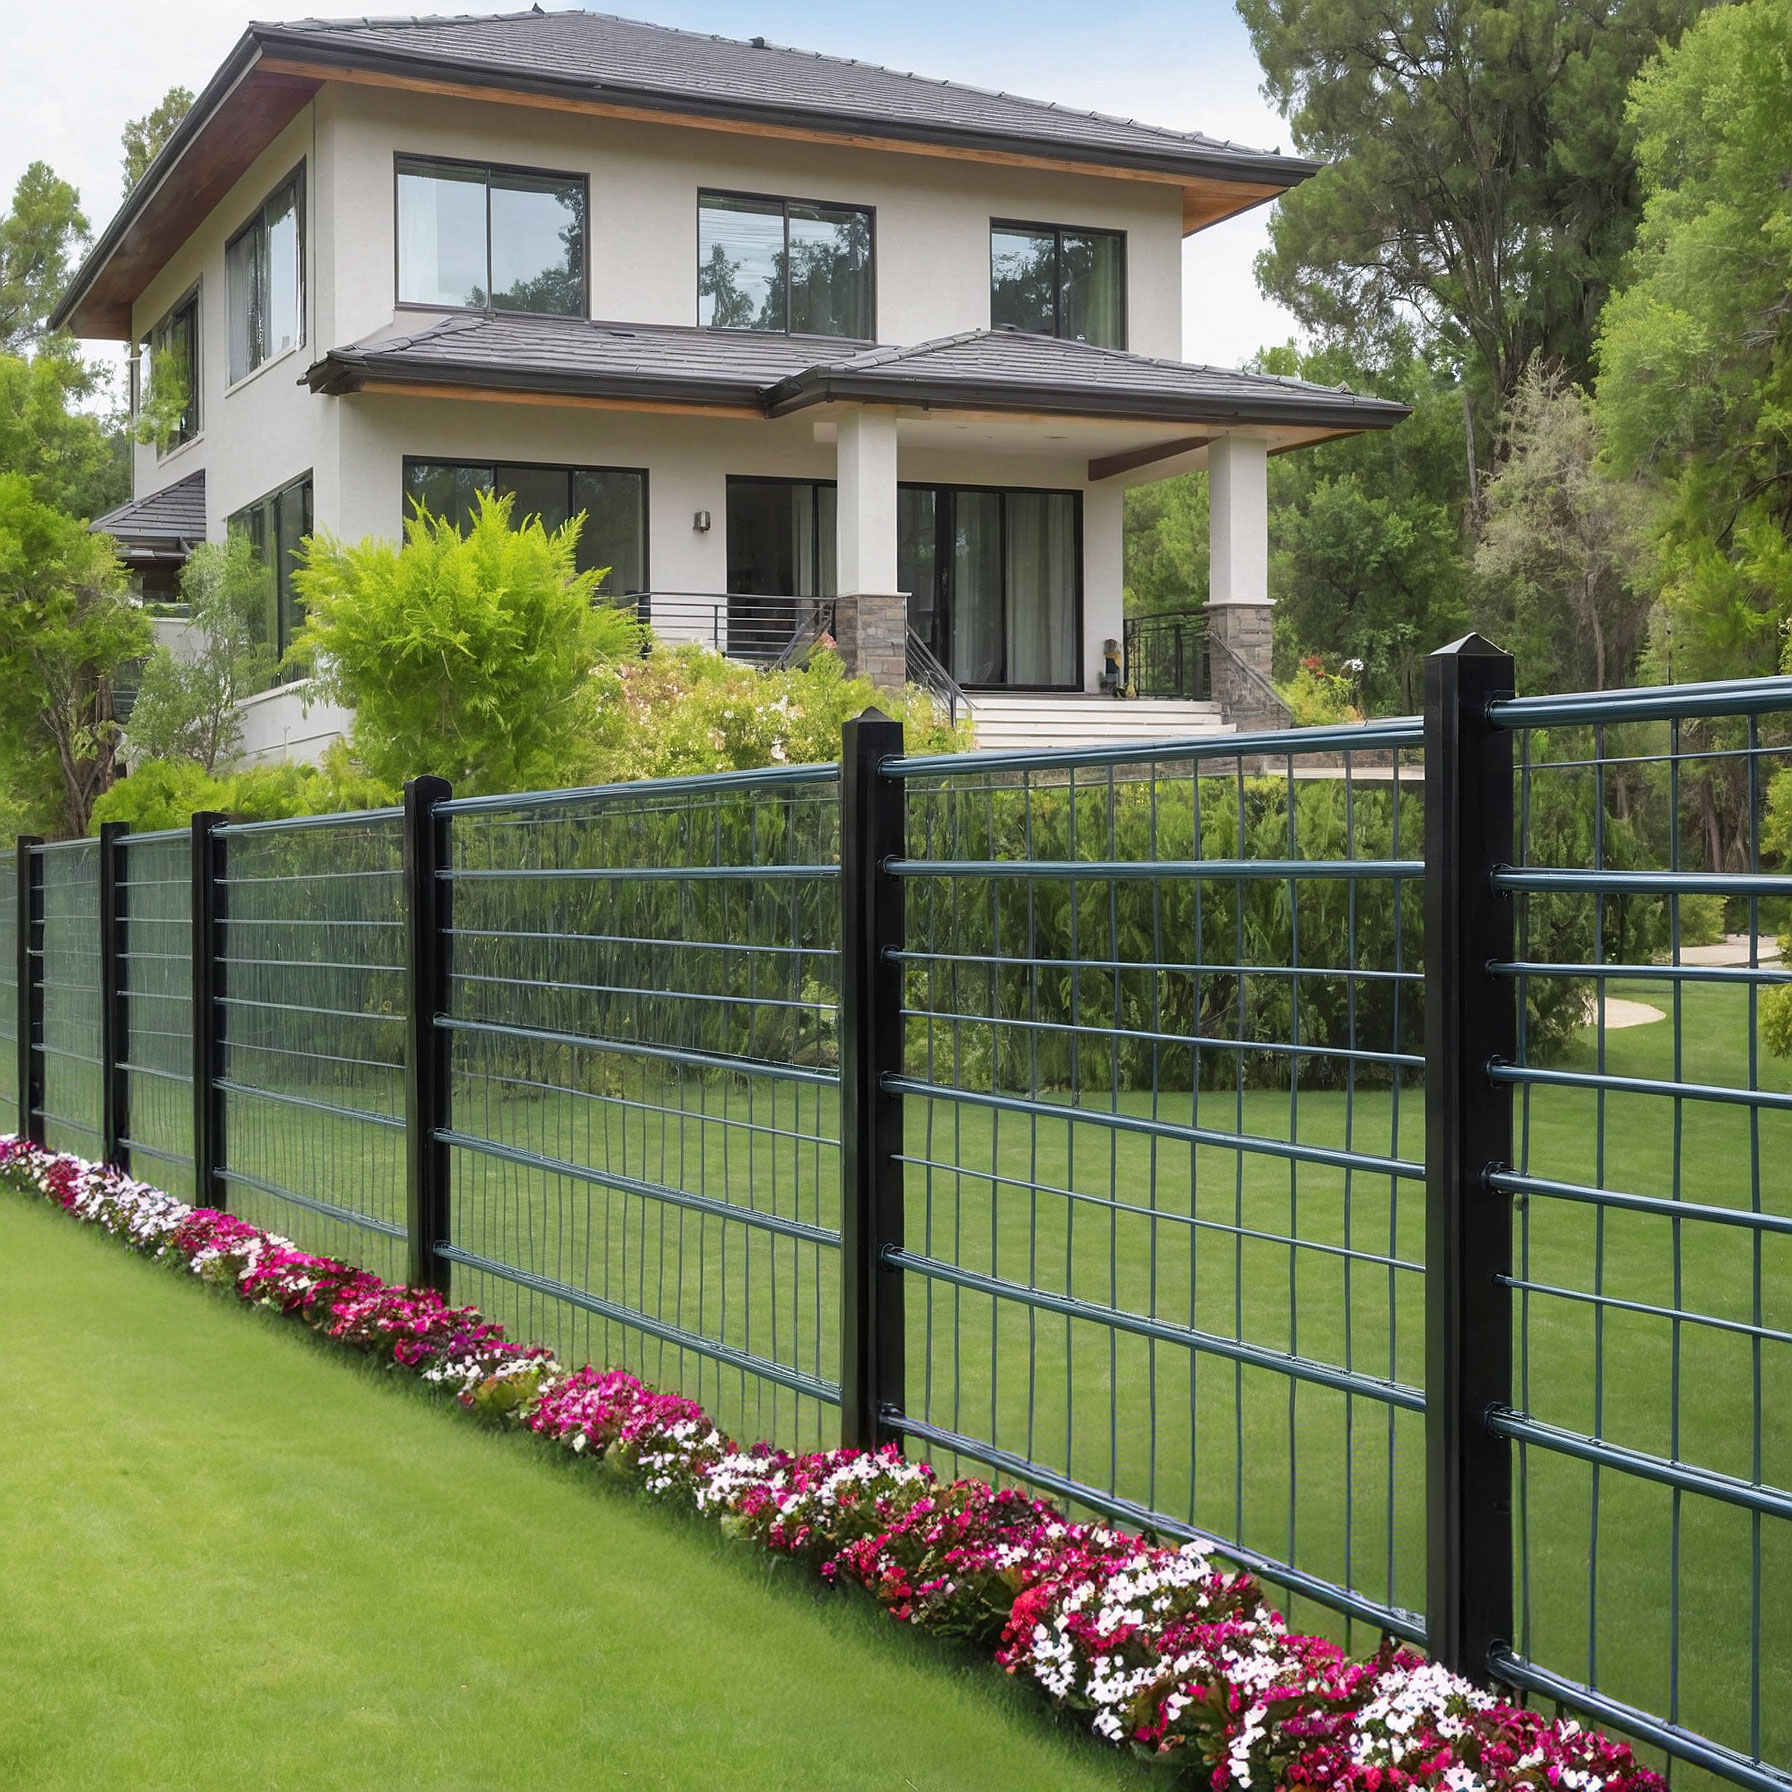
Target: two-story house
(811,343)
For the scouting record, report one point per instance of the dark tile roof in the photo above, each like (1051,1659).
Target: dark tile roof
(1007,370)
(978,370)
(166,525)
(665,69)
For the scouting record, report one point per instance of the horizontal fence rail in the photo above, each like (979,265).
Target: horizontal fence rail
(643,1073)
(1363,1148)
(1162,1076)
(309,1005)
(1651,1275)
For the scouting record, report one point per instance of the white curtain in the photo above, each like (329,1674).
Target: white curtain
(1041,588)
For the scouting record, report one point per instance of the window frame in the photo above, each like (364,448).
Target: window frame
(294,177)
(268,503)
(942,524)
(1057,233)
(192,296)
(942,530)
(786,201)
(570,469)
(488,169)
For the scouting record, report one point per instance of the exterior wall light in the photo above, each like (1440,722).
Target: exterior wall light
(700,522)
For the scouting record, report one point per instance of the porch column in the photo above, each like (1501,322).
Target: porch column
(1238,606)
(872,615)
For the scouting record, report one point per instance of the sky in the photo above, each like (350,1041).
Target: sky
(74,72)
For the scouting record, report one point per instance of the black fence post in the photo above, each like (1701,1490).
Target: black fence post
(31,989)
(427,1071)
(115,1124)
(209,1161)
(873,816)
(1470,1020)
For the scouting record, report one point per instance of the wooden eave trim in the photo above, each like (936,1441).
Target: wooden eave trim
(1105,466)
(1205,199)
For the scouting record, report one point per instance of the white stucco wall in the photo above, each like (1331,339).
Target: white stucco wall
(932,215)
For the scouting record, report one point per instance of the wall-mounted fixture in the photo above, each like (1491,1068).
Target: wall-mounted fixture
(700,522)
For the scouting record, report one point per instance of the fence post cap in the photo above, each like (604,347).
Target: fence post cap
(1471,645)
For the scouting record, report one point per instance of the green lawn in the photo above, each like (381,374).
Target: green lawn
(229,1558)
(1300,1472)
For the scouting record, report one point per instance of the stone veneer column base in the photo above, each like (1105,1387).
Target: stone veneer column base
(872,632)
(1247,629)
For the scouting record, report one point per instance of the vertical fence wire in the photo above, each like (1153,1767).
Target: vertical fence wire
(1652,1412)
(156,977)
(1164,1089)
(71,973)
(645,1084)
(9,991)
(314,1027)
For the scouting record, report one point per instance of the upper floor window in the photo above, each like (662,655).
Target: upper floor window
(165,375)
(784,264)
(500,239)
(265,265)
(1057,282)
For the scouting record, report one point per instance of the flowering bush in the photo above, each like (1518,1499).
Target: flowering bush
(1163,1650)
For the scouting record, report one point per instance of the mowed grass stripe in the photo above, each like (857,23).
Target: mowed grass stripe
(228,1558)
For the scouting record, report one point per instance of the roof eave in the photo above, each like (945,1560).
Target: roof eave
(242,58)
(337,375)
(808,389)
(1244,168)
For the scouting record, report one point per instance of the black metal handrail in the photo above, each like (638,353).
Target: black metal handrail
(761,629)
(1166,655)
(924,668)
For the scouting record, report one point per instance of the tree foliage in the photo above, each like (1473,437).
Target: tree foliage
(39,239)
(470,657)
(1481,180)
(72,459)
(186,705)
(1554,566)
(143,137)
(66,628)
(1694,388)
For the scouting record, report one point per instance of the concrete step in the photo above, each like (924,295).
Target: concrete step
(1028,721)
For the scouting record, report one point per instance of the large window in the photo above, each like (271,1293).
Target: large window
(784,264)
(165,375)
(613,500)
(500,239)
(265,265)
(994,577)
(1056,282)
(278,524)
(994,581)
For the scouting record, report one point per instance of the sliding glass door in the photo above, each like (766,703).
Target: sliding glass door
(781,549)
(995,582)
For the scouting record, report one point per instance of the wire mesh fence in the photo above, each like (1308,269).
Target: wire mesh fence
(9,990)
(1164,1104)
(1653,1190)
(311,1008)
(155,958)
(72,1064)
(644,1083)
(1158,1068)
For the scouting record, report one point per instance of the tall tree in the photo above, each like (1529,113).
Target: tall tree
(72,458)
(39,238)
(143,137)
(1558,544)
(66,629)
(1695,353)
(1481,183)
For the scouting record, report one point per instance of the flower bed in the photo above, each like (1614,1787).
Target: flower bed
(1162,1650)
